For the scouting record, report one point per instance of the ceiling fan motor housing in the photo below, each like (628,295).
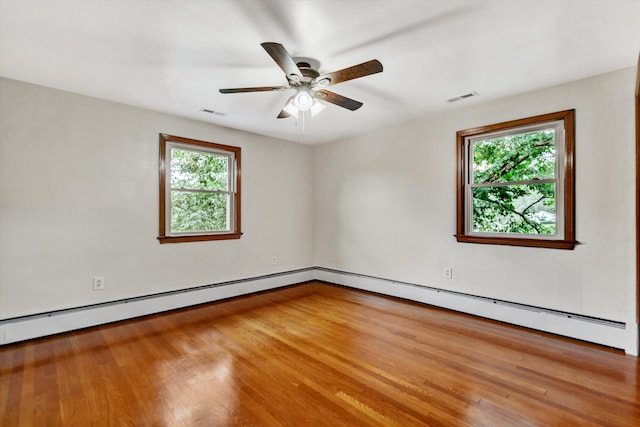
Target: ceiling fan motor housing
(308,67)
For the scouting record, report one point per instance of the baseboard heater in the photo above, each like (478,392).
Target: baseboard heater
(54,322)
(600,331)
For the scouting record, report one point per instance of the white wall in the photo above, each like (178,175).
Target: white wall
(79,198)
(385,205)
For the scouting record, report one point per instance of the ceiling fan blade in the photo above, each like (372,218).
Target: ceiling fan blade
(366,68)
(283,115)
(426,24)
(342,101)
(283,59)
(254,89)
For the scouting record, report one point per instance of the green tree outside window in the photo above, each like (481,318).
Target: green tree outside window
(515,190)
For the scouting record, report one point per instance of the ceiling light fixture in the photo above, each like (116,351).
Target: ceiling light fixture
(303,76)
(316,107)
(291,109)
(303,101)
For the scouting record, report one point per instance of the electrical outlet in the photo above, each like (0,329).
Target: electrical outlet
(98,283)
(447,272)
(274,260)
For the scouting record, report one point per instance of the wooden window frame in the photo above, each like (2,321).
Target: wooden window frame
(164,236)
(637,108)
(567,241)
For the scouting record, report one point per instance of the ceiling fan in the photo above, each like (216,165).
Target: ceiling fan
(303,76)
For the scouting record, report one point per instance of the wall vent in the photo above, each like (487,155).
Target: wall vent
(461,97)
(209,111)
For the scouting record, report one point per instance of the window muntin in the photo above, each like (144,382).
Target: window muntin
(513,182)
(199,190)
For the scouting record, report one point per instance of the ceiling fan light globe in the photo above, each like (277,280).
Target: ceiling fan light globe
(316,108)
(303,100)
(291,109)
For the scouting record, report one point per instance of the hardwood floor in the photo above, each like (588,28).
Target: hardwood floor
(315,355)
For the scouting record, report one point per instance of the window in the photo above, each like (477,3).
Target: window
(199,190)
(516,183)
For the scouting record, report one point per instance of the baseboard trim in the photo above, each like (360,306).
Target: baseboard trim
(610,333)
(55,322)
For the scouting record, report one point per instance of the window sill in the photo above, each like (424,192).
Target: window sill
(198,238)
(517,241)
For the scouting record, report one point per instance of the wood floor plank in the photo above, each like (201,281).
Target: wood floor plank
(12,384)
(319,355)
(444,363)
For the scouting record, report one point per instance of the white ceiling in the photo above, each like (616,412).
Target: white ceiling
(174,55)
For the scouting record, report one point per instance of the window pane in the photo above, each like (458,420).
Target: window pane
(199,212)
(198,170)
(526,209)
(520,157)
